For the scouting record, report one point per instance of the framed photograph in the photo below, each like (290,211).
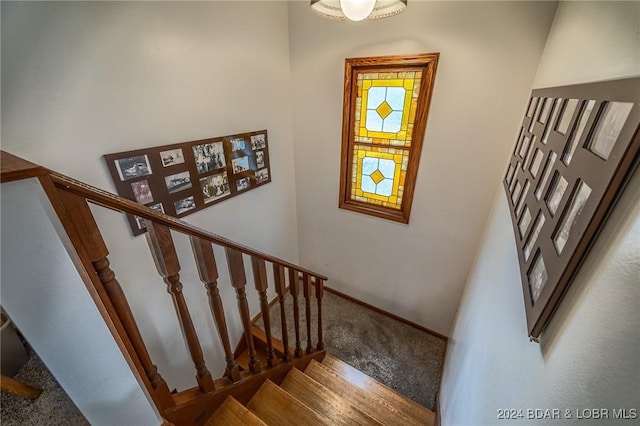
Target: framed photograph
(209,157)
(237,144)
(172,157)
(157,207)
(142,191)
(260,159)
(262,175)
(215,187)
(242,184)
(258,141)
(133,167)
(190,176)
(576,149)
(240,165)
(184,205)
(178,182)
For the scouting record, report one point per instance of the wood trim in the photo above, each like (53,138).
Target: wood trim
(194,408)
(15,168)
(426,63)
(87,273)
(386,313)
(373,308)
(117,203)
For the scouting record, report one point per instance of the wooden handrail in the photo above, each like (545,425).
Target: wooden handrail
(122,205)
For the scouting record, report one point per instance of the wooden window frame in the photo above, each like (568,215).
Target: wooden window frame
(427,64)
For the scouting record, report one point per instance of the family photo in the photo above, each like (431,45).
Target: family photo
(178,182)
(184,205)
(209,157)
(142,191)
(240,164)
(214,187)
(258,141)
(133,167)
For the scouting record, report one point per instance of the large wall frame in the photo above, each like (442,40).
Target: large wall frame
(183,178)
(577,148)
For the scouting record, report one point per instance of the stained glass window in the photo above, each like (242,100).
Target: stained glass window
(386,101)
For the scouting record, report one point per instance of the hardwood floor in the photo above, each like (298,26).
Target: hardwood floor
(326,393)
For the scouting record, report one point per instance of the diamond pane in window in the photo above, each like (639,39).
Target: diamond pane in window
(556,192)
(374,121)
(395,97)
(375,96)
(387,168)
(571,217)
(393,122)
(567,114)
(537,277)
(609,126)
(385,187)
(368,185)
(369,165)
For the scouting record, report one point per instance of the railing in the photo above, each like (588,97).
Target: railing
(70,198)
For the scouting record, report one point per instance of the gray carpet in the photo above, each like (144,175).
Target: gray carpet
(398,355)
(52,407)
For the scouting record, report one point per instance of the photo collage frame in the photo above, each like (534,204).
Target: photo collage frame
(183,178)
(577,147)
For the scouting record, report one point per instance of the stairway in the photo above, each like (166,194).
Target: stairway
(330,392)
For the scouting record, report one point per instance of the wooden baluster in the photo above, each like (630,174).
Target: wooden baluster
(79,214)
(239,281)
(166,260)
(279,278)
(208,271)
(319,295)
(294,289)
(260,281)
(306,288)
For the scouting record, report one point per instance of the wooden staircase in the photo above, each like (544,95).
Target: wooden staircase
(329,392)
(292,381)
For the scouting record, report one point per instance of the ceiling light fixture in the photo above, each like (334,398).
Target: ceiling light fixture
(357,10)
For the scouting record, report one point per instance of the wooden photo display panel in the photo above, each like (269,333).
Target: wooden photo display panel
(183,178)
(577,148)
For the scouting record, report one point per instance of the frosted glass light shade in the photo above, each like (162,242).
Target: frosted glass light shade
(383,8)
(357,10)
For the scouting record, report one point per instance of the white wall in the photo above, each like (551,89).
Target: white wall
(588,356)
(49,303)
(489,54)
(82,79)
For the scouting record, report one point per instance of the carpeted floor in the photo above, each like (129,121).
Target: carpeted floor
(52,407)
(396,354)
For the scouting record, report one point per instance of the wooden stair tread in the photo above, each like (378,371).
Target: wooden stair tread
(367,402)
(356,377)
(276,407)
(232,413)
(323,401)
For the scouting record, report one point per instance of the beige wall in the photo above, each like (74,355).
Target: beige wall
(82,79)
(489,55)
(588,356)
